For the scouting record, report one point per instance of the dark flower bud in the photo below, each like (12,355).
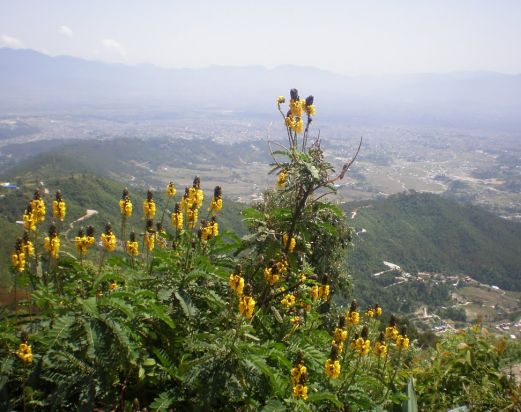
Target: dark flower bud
(132,236)
(125,193)
(150,195)
(81,232)
(58,196)
(90,231)
(294,94)
(309,100)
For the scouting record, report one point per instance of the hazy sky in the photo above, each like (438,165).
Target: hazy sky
(351,37)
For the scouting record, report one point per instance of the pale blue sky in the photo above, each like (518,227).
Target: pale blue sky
(351,37)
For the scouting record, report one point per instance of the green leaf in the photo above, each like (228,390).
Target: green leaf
(324,396)
(273,405)
(411,404)
(162,402)
(185,303)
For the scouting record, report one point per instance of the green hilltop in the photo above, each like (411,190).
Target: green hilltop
(425,232)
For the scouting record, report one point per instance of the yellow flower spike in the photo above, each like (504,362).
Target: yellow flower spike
(323,292)
(132,247)
(149,206)
(29,219)
(108,238)
(300,391)
(402,341)
(377,310)
(38,207)
(353,316)
(332,368)
(247,303)
(18,256)
(58,207)
(314,292)
(25,352)
(125,207)
(369,313)
(171,190)
(288,300)
(309,107)
(391,331)
(192,216)
(27,245)
(281,179)
(52,242)
(150,238)
(292,243)
(217,202)
(380,348)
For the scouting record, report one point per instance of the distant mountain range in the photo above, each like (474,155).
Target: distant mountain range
(33,81)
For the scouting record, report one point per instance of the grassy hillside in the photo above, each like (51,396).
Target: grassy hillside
(426,232)
(82,189)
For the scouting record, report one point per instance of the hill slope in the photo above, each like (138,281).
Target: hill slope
(82,189)
(426,232)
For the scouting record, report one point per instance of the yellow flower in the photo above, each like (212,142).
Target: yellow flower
(246,306)
(236,283)
(216,204)
(132,248)
(310,110)
(271,276)
(18,260)
(170,190)
(82,244)
(281,99)
(149,207)
(29,221)
(332,368)
(109,241)
(340,335)
(298,372)
(296,320)
(295,107)
(402,342)
(25,353)
(353,317)
(300,391)
(59,209)
(361,346)
(314,292)
(125,207)
(369,313)
(113,286)
(38,207)
(292,243)
(289,300)
(177,220)
(192,216)
(377,310)
(323,292)
(149,240)
(391,332)
(52,245)
(214,226)
(380,349)
(281,179)
(27,247)
(298,125)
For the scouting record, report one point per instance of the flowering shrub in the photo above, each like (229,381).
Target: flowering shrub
(191,317)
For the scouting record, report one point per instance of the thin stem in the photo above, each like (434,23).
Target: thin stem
(164,209)
(102,258)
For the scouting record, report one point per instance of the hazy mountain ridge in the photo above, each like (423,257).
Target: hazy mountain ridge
(31,80)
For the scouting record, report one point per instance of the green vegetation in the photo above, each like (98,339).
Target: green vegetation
(426,232)
(198,318)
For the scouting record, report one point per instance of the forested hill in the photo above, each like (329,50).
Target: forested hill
(427,232)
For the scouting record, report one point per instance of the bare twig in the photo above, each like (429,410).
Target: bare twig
(346,166)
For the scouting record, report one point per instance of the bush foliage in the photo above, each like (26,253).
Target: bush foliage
(210,321)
